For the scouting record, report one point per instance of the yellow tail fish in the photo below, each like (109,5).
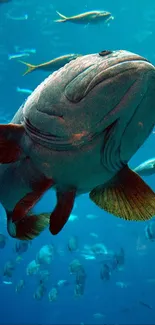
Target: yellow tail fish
(52,65)
(92,17)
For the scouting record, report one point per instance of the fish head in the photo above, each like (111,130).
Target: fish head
(73,56)
(147,168)
(103,14)
(109,95)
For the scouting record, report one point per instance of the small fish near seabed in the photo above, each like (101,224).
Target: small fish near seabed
(21,246)
(90,17)
(52,65)
(150,231)
(147,168)
(45,255)
(105,272)
(74,134)
(3,240)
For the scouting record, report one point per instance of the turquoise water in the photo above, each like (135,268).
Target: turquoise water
(128,296)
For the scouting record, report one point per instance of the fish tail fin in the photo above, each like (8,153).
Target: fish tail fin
(29,227)
(63,18)
(30,67)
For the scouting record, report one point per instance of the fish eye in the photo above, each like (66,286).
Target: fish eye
(104,53)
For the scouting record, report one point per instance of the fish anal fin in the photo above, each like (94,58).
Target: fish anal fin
(29,227)
(30,199)
(60,20)
(129,197)
(10,135)
(61,213)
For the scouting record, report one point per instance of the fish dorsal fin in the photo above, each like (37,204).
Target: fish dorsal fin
(80,85)
(127,197)
(10,136)
(61,15)
(63,18)
(61,213)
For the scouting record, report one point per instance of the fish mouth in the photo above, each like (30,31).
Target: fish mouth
(52,141)
(34,132)
(121,62)
(113,74)
(110,67)
(134,123)
(115,58)
(58,143)
(105,14)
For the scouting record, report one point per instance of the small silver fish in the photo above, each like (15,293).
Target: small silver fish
(16,56)
(92,17)
(32,51)
(24,90)
(145,304)
(147,168)
(7,282)
(24,17)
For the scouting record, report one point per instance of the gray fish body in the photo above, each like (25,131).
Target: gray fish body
(91,18)
(57,63)
(73,109)
(83,124)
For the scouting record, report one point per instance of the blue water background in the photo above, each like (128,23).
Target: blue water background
(119,306)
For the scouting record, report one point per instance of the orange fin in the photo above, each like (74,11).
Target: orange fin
(30,199)
(29,227)
(129,197)
(60,215)
(10,135)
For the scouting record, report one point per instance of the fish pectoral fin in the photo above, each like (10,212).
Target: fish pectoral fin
(21,223)
(29,227)
(30,199)
(129,197)
(61,213)
(30,67)
(10,135)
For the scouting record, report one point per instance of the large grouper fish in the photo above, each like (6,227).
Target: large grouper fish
(76,133)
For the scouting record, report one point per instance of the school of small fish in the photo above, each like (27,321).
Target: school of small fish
(111,265)
(47,144)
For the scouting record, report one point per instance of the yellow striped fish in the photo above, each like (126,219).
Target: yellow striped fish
(92,17)
(52,65)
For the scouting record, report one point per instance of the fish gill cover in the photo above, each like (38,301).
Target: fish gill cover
(99,269)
